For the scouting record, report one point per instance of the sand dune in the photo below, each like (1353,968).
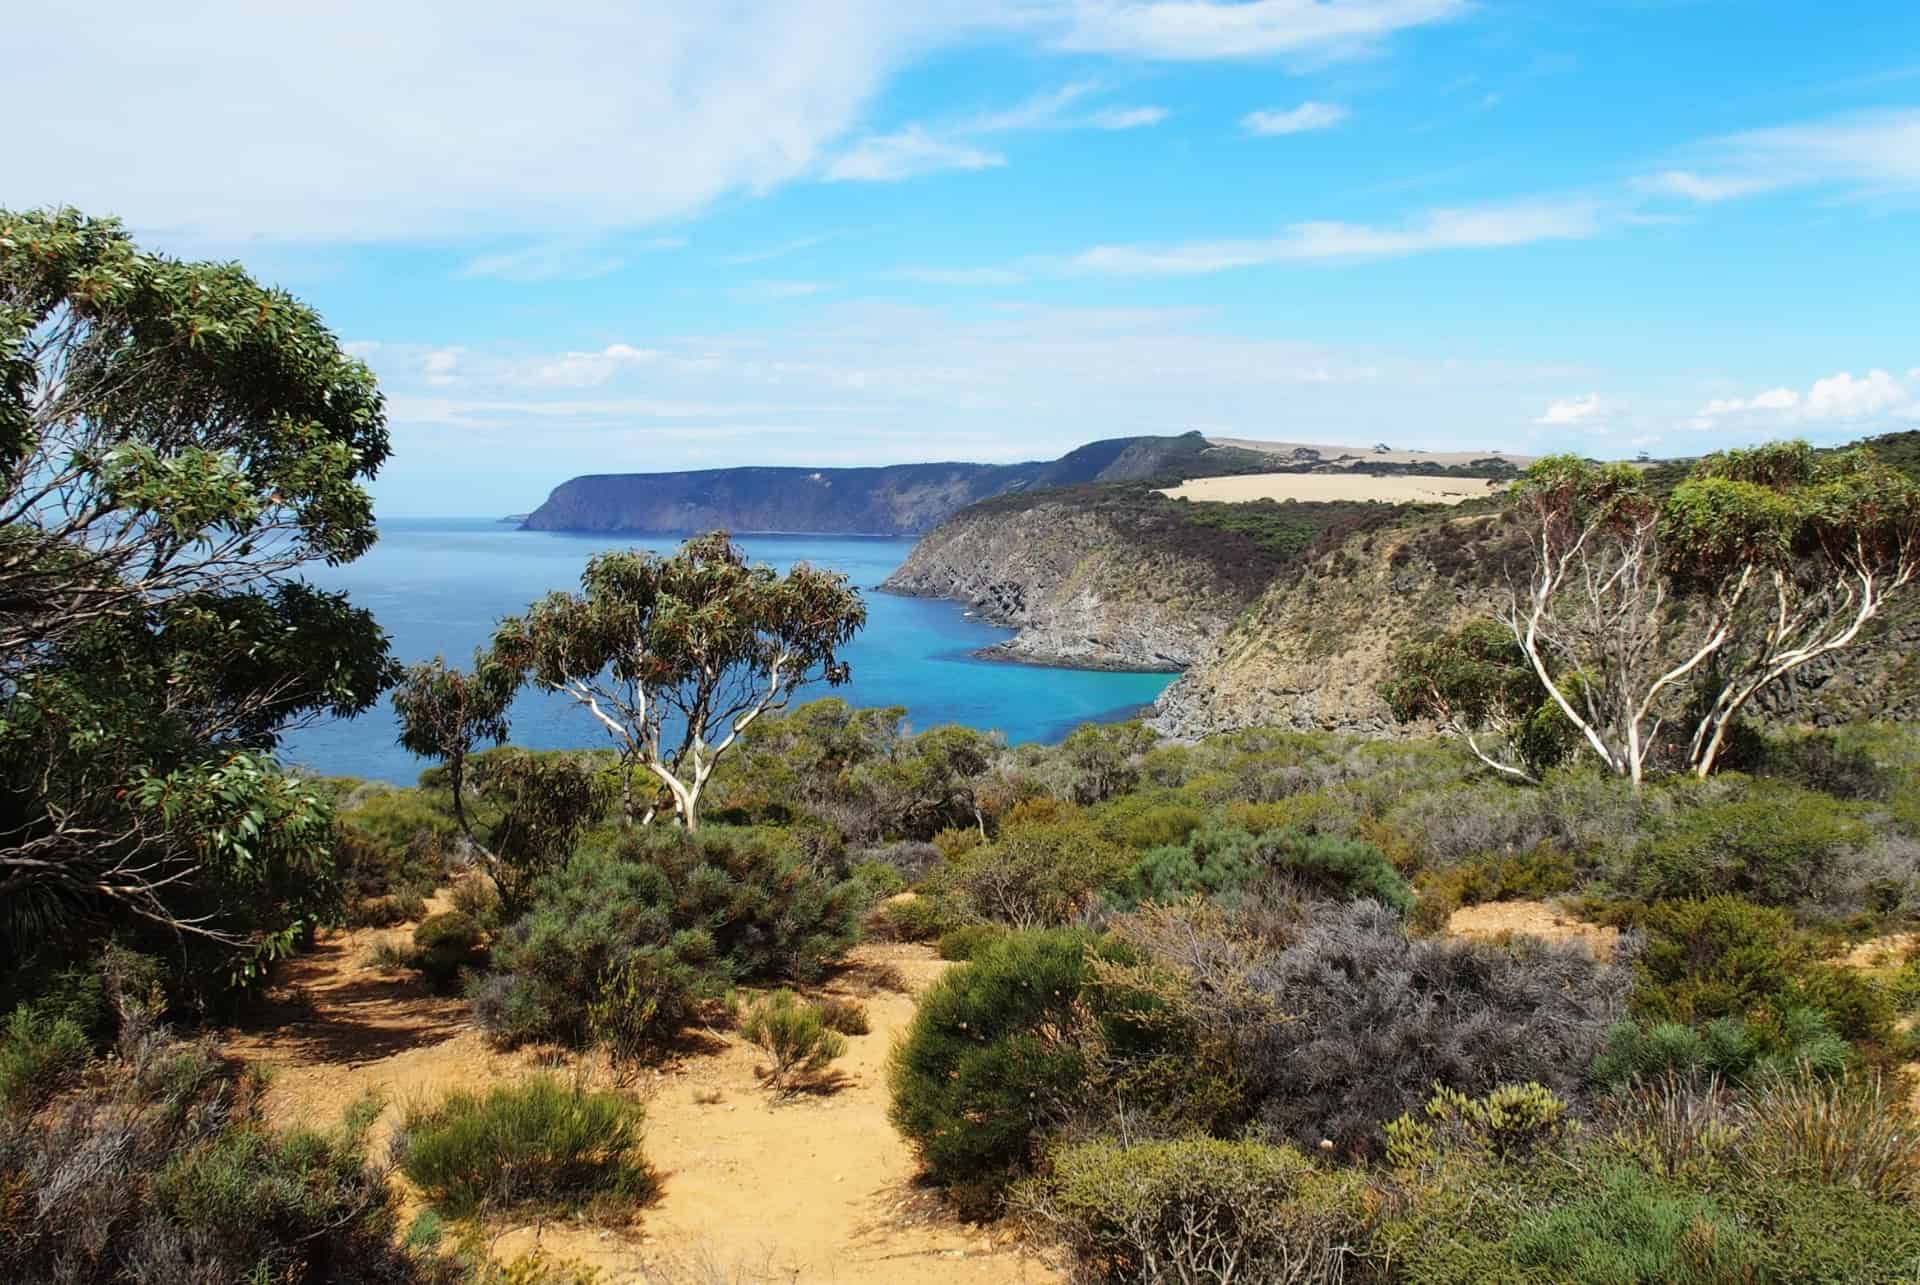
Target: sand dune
(1334,486)
(1347,456)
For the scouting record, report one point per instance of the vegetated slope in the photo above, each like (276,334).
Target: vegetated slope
(1313,651)
(899,499)
(1113,576)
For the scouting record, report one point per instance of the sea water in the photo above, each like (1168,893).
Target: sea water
(438,586)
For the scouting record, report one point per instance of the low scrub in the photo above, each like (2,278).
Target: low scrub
(796,1035)
(1233,865)
(1772,844)
(539,1144)
(1168,1213)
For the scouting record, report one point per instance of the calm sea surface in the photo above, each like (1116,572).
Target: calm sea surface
(438,585)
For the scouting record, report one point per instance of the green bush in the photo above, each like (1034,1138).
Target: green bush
(1150,819)
(158,1169)
(1636,1229)
(1776,845)
(621,949)
(1723,957)
(1536,873)
(963,943)
(990,1060)
(448,942)
(1232,864)
(877,881)
(538,1143)
(1199,1210)
(795,1034)
(39,1055)
(1727,1047)
(847,1016)
(1040,872)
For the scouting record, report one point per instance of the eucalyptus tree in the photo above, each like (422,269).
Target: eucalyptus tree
(1652,624)
(176,442)
(675,657)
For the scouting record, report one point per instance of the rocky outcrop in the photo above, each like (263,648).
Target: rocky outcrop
(1312,652)
(1086,584)
(900,499)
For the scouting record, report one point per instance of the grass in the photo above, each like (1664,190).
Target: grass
(537,1143)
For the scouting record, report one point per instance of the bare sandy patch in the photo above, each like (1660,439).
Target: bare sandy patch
(1329,487)
(1500,920)
(817,1187)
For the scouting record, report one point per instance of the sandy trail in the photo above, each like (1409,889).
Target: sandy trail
(814,1188)
(1328,487)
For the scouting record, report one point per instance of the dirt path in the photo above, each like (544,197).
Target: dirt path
(815,1188)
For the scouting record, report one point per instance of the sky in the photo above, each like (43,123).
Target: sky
(604,237)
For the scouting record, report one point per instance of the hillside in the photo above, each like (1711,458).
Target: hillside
(1113,577)
(899,499)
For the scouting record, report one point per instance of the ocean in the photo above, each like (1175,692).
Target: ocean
(439,585)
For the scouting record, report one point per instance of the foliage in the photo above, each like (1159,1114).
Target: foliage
(620,949)
(447,944)
(1232,864)
(1197,1209)
(1103,757)
(39,1055)
(175,441)
(1771,844)
(795,1034)
(1842,1131)
(1723,957)
(700,636)
(963,943)
(919,917)
(1380,1019)
(160,1170)
(1043,869)
(1798,1039)
(537,1142)
(990,1060)
(1477,681)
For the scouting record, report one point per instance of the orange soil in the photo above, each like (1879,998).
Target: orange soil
(815,1188)
(1496,920)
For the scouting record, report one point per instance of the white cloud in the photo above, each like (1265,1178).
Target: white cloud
(1117,118)
(1186,30)
(1295,120)
(589,369)
(440,365)
(789,289)
(1837,399)
(1453,229)
(1571,410)
(912,152)
(439,120)
(1842,397)
(560,261)
(1868,153)
(780,251)
(920,149)
(963,276)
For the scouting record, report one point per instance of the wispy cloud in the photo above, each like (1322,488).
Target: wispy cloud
(920,149)
(910,153)
(1868,153)
(1448,229)
(1193,30)
(1294,120)
(963,276)
(590,369)
(768,253)
(789,289)
(561,261)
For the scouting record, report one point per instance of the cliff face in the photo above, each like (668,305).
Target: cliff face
(1086,585)
(1313,651)
(901,499)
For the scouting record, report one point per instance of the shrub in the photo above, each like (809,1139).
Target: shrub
(385,881)
(1046,867)
(1230,864)
(795,1034)
(1726,1047)
(1723,957)
(448,942)
(39,1055)
(1507,1122)
(535,1143)
(989,1061)
(1774,845)
(876,881)
(159,1170)
(1536,873)
(1150,819)
(621,949)
(1198,1210)
(1379,1019)
(1836,1131)
(921,917)
(847,1016)
(1636,1229)
(963,943)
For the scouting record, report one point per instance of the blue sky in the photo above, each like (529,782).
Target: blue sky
(696,233)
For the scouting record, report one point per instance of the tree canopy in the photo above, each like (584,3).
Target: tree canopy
(176,441)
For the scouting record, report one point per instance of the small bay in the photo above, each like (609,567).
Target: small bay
(439,585)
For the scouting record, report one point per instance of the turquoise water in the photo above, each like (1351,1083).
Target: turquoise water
(438,586)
